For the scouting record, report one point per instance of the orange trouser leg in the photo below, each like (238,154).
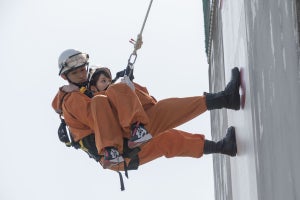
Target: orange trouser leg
(170,113)
(108,131)
(127,105)
(171,143)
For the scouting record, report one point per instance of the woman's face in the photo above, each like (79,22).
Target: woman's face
(102,83)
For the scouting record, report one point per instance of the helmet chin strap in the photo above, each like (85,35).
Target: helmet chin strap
(84,84)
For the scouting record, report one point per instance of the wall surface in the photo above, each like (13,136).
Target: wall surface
(261,38)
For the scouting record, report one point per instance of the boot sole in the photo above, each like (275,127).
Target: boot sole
(236,72)
(232,137)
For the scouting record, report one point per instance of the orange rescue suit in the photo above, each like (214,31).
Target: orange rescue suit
(109,114)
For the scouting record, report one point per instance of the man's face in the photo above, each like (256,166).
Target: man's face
(78,75)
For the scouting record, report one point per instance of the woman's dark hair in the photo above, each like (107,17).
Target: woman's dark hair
(97,72)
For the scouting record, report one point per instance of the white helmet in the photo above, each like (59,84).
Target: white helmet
(71,59)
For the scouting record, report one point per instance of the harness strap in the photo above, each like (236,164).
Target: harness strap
(85,91)
(88,145)
(121,181)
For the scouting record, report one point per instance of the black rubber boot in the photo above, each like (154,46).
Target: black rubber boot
(225,146)
(229,98)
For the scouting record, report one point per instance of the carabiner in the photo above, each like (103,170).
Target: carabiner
(132,58)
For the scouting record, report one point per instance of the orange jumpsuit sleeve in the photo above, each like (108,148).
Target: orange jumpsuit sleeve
(57,101)
(77,128)
(77,114)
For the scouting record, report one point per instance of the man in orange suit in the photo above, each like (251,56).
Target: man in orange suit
(126,111)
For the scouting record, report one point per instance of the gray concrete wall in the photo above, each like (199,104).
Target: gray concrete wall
(260,37)
(222,176)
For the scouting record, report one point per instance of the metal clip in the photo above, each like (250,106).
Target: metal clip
(132,59)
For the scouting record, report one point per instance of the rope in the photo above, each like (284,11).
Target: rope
(146,17)
(138,42)
(137,45)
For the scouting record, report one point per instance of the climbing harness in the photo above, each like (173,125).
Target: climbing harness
(137,44)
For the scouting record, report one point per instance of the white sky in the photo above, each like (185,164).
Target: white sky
(172,63)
